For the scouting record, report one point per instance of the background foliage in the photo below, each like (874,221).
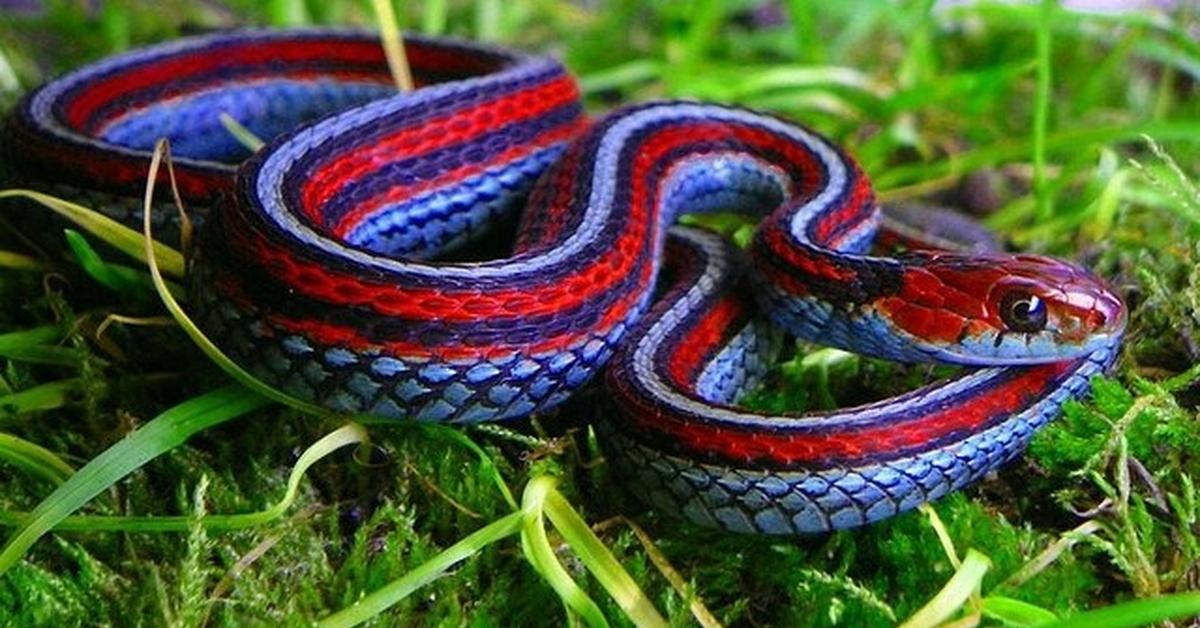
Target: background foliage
(1070,133)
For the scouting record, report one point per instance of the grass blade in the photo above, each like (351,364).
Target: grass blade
(19,261)
(620,77)
(433,16)
(243,135)
(1041,110)
(124,239)
(165,432)
(8,78)
(34,458)
(43,397)
(349,434)
(488,16)
(603,565)
(120,279)
(375,603)
(1015,612)
(962,584)
(540,554)
(393,45)
(46,354)
(288,13)
(1136,613)
(17,340)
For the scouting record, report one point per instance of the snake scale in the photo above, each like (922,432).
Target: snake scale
(327,266)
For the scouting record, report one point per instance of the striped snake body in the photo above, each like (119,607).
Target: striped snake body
(323,266)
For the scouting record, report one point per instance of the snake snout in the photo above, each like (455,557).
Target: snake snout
(1108,315)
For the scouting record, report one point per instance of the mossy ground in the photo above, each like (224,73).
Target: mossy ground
(936,103)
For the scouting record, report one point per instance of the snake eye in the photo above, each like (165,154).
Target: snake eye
(1023,312)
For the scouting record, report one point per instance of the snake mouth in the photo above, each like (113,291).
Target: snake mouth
(1008,349)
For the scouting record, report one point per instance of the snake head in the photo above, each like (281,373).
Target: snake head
(1004,309)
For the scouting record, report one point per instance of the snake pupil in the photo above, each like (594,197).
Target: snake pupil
(1023,312)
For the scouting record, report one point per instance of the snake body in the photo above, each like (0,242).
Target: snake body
(323,267)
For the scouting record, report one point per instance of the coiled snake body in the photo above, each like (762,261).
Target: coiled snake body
(322,266)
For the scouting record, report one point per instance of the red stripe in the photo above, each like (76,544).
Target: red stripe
(334,335)
(398,195)
(96,127)
(711,331)
(548,211)
(90,167)
(457,127)
(268,55)
(830,447)
(789,273)
(788,263)
(847,216)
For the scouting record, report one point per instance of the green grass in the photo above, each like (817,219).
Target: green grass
(1073,135)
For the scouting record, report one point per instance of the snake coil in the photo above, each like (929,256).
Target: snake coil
(322,266)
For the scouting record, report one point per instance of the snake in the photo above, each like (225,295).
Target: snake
(341,264)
